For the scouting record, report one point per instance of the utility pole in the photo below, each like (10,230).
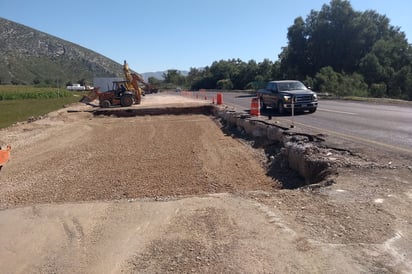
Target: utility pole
(293,112)
(58,88)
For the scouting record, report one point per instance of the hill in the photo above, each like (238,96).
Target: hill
(29,56)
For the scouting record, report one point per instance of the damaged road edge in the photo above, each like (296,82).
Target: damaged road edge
(299,151)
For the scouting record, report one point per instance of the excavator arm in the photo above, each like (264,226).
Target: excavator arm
(132,79)
(132,82)
(135,79)
(139,79)
(128,76)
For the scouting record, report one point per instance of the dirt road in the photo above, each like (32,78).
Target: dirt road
(170,193)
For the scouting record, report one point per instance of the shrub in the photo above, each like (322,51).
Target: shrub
(27,92)
(377,90)
(224,84)
(340,84)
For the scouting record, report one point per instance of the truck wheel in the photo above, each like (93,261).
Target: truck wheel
(262,104)
(105,104)
(126,101)
(312,110)
(280,108)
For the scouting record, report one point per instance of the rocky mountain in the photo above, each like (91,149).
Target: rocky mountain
(29,56)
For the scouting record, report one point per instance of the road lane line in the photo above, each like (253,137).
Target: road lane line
(343,135)
(361,139)
(336,111)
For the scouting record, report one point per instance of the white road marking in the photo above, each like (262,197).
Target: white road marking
(353,137)
(336,111)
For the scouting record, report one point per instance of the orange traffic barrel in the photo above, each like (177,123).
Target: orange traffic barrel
(219,98)
(4,155)
(255,107)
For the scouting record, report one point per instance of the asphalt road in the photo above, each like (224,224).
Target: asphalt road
(368,124)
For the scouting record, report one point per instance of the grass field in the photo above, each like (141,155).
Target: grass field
(18,103)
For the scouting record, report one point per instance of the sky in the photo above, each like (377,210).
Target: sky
(157,35)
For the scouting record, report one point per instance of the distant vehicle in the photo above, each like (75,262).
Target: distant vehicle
(76,87)
(279,95)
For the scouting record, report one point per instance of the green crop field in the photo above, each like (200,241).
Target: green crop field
(18,103)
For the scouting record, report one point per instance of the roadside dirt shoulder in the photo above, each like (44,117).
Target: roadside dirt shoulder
(175,194)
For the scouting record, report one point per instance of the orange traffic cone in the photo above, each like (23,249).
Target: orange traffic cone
(4,156)
(219,98)
(255,107)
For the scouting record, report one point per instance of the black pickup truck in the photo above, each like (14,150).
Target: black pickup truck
(279,95)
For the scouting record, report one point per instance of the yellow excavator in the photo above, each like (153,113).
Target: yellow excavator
(134,81)
(123,93)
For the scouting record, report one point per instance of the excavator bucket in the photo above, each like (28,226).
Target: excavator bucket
(4,156)
(85,100)
(92,95)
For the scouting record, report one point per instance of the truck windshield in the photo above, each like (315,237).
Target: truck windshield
(291,86)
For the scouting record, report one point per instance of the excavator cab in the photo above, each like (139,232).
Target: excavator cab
(119,95)
(119,87)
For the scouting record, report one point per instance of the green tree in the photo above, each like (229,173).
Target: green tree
(225,84)
(378,90)
(173,76)
(294,55)
(351,43)
(372,70)
(264,70)
(201,79)
(340,84)
(327,80)
(400,85)
(221,70)
(154,81)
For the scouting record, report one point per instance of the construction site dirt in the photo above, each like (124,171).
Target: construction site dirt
(86,193)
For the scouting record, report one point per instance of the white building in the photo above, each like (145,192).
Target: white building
(105,84)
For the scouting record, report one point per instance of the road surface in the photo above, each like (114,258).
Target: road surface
(369,124)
